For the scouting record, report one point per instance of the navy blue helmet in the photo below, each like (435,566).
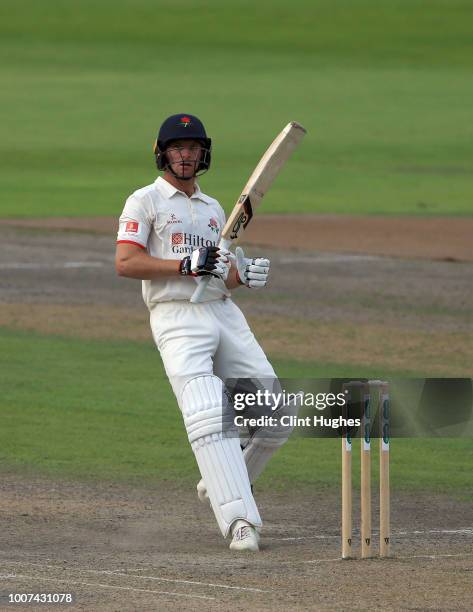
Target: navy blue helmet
(179,127)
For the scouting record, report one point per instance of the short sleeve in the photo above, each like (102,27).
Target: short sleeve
(135,223)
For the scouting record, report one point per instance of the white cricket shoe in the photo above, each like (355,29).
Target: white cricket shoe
(245,536)
(202,492)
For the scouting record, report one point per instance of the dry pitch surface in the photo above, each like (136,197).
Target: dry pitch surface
(125,548)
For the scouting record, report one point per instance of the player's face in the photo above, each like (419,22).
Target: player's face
(184,157)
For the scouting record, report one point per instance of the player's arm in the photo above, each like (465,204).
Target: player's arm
(133,261)
(233,280)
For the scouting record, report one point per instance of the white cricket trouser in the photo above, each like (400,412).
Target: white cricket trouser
(200,344)
(208,338)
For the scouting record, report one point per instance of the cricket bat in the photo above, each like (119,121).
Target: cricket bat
(258,184)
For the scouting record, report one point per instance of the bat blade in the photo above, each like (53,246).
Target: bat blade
(258,184)
(261,179)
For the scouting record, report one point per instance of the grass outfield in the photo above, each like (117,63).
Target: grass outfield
(89,409)
(383,87)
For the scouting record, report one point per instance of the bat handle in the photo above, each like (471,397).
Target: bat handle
(200,290)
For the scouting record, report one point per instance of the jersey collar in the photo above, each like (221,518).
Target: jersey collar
(168,190)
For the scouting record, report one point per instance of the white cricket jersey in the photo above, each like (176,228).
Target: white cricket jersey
(169,225)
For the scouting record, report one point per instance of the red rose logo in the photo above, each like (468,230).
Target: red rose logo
(213,224)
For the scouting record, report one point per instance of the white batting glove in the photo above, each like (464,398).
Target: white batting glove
(252,272)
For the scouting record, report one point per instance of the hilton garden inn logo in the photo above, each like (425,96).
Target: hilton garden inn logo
(183,242)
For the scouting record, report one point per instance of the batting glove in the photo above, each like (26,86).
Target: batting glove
(204,261)
(251,272)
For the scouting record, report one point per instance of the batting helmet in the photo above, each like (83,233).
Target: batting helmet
(180,127)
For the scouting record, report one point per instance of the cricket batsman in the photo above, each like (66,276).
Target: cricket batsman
(168,232)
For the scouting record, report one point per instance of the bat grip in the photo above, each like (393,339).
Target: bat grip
(200,289)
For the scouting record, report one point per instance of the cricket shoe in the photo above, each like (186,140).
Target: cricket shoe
(245,537)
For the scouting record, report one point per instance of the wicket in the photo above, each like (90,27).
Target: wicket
(372,394)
